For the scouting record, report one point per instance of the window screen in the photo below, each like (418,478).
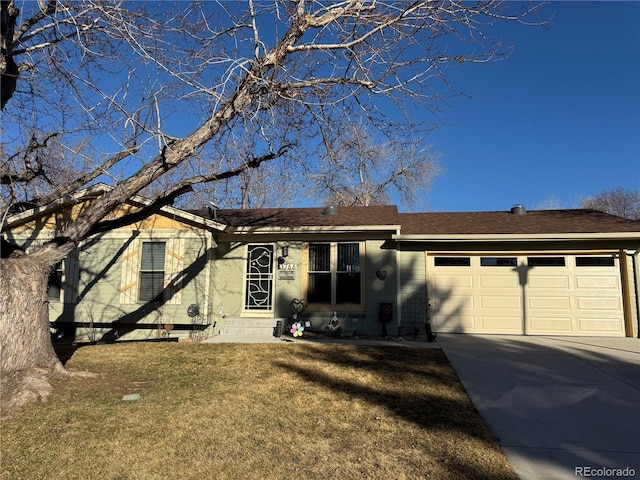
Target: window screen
(54,287)
(319,280)
(348,274)
(334,273)
(319,257)
(152,271)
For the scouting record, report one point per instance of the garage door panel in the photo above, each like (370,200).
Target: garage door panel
(500,302)
(597,282)
(499,281)
(549,324)
(547,281)
(611,304)
(574,299)
(550,303)
(454,303)
(600,325)
(454,281)
(502,324)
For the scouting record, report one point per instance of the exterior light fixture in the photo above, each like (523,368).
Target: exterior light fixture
(282,259)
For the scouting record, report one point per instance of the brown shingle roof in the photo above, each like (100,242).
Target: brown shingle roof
(382,215)
(577,221)
(532,222)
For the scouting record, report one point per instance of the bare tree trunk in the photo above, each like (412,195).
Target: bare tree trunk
(27,357)
(8,67)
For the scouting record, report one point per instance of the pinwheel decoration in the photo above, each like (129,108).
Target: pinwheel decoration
(296,329)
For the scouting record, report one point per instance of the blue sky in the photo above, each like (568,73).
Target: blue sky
(560,118)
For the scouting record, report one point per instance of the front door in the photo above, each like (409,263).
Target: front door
(259,278)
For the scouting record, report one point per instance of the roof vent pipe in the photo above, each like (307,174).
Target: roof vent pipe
(330,210)
(518,209)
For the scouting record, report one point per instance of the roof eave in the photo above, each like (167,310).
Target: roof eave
(27,216)
(182,215)
(511,237)
(96,191)
(315,229)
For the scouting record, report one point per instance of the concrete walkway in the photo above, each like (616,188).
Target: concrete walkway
(561,407)
(345,341)
(243,339)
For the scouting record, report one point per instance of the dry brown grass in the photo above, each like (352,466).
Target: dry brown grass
(240,411)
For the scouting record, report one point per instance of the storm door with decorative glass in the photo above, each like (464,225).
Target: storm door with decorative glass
(259,278)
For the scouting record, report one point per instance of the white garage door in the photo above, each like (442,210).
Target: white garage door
(526,294)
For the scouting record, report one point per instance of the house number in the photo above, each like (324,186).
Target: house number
(288,266)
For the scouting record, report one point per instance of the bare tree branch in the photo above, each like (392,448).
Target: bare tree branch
(169,196)
(189,80)
(620,202)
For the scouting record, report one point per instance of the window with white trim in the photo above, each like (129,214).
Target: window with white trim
(152,270)
(334,274)
(62,284)
(151,280)
(54,285)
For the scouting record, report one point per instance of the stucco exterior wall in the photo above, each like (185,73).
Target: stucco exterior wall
(227,277)
(289,284)
(288,279)
(97,312)
(100,288)
(413,273)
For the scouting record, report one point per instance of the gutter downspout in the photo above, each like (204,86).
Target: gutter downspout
(636,270)
(398,286)
(626,294)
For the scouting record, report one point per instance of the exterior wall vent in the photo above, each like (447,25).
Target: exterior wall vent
(330,210)
(518,210)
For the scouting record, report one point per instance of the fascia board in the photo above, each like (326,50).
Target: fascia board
(176,213)
(314,229)
(96,191)
(30,215)
(512,237)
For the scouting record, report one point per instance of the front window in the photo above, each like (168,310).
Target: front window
(319,287)
(152,271)
(54,287)
(334,273)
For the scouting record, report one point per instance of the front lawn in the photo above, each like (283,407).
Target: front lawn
(252,411)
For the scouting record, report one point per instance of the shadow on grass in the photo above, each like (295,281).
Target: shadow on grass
(65,351)
(430,395)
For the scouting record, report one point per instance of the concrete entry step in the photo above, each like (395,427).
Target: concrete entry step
(238,326)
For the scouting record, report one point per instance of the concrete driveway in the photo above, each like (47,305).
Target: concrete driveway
(561,407)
